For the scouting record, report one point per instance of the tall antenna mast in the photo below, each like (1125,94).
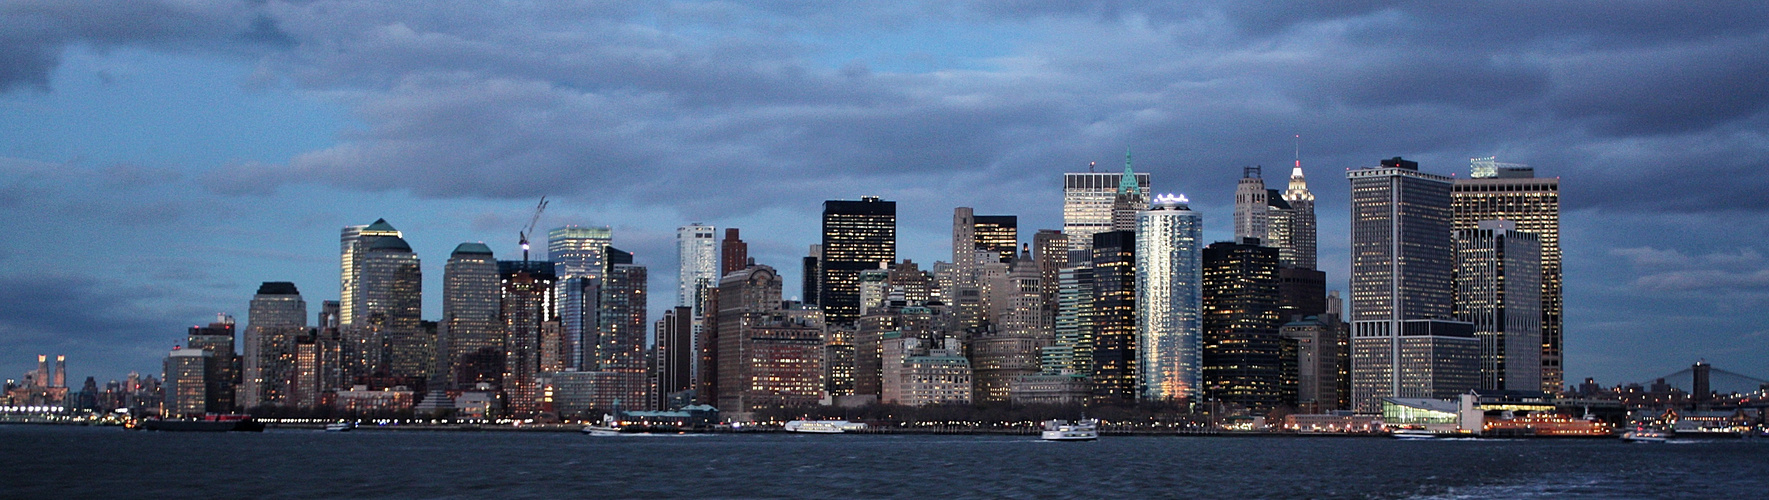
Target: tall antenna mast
(1298,150)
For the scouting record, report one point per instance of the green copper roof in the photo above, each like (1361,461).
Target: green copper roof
(1127,183)
(380,225)
(473,248)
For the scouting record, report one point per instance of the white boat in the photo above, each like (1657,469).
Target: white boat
(1413,434)
(340,426)
(1645,435)
(823,426)
(1063,430)
(608,427)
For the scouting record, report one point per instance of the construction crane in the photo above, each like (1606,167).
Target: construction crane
(541,207)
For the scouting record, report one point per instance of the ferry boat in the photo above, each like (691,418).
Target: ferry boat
(340,426)
(1645,435)
(209,423)
(823,426)
(1063,430)
(1413,434)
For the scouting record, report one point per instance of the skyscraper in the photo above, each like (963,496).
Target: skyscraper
(471,325)
(1251,200)
(1130,199)
(1499,290)
(579,259)
(386,339)
(1087,202)
(675,358)
(354,242)
(1297,248)
(812,277)
(733,253)
(276,318)
(857,235)
(1503,191)
(619,347)
(1168,299)
(1241,342)
(525,307)
(1012,349)
(1404,342)
(998,234)
(697,253)
(218,340)
(768,357)
(189,376)
(1114,317)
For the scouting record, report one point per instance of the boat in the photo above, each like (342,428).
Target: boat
(1413,434)
(1645,435)
(209,423)
(340,426)
(607,427)
(823,426)
(1063,430)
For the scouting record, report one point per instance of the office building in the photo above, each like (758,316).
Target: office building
(999,235)
(857,235)
(768,356)
(1296,241)
(1242,348)
(1312,362)
(619,346)
(276,318)
(218,339)
(525,306)
(1251,200)
(579,257)
(1502,191)
(697,255)
(917,372)
(189,376)
(675,358)
(355,242)
(1168,299)
(1072,347)
(1114,317)
(1499,290)
(1405,342)
(1087,202)
(471,323)
(385,340)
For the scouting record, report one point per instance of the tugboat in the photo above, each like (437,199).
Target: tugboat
(1063,430)
(209,423)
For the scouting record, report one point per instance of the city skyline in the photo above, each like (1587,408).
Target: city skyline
(271,145)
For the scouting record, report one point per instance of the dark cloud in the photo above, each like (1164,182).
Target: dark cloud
(33,33)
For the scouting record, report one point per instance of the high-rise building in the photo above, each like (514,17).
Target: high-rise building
(1051,249)
(1499,290)
(857,235)
(1168,299)
(218,339)
(386,340)
(1130,199)
(697,254)
(1072,349)
(619,348)
(1087,202)
(917,373)
(1242,348)
(1297,247)
(768,356)
(471,325)
(812,277)
(1502,191)
(1011,349)
(189,376)
(998,234)
(355,242)
(1315,362)
(276,318)
(525,307)
(1114,317)
(1405,342)
(1251,201)
(733,253)
(675,358)
(1301,292)
(578,256)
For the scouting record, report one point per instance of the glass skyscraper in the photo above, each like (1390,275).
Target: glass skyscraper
(1168,299)
(579,257)
(857,236)
(277,316)
(470,324)
(1087,202)
(1511,192)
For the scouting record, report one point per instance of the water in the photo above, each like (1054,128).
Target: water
(79,462)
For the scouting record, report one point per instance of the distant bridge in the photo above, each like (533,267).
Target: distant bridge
(1719,381)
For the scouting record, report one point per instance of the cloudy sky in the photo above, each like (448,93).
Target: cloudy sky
(160,158)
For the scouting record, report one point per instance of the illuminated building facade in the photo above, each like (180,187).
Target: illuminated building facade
(998,234)
(1404,341)
(276,318)
(189,376)
(768,356)
(1087,203)
(354,242)
(675,358)
(525,306)
(1169,300)
(472,298)
(1114,317)
(386,340)
(1499,290)
(1241,345)
(857,236)
(218,339)
(579,256)
(1251,200)
(1501,191)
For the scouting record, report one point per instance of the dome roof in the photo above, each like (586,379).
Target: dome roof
(393,243)
(473,249)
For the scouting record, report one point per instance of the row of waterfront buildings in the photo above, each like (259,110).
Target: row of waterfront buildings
(1455,287)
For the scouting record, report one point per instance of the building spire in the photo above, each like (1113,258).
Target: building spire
(1128,184)
(1298,190)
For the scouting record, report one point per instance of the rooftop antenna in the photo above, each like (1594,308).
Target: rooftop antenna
(1090,167)
(523,234)
(1298,150)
